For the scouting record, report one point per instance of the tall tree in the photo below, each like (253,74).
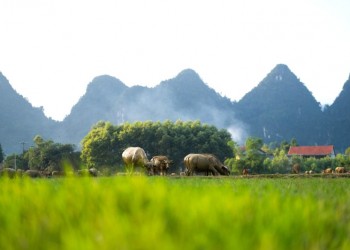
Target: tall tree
(254,157)
(2,155)
(48,154)
(100,146)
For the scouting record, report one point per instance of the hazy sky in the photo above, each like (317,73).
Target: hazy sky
(51,49)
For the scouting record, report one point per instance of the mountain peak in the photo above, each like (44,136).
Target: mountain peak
(188,74)
(105,83)
(4,83)
(281,95)
(342,99)
(281,72)
(281,68)
(103,79)
(186,78)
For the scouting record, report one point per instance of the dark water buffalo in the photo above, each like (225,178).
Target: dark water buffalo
(204,163)
(246,171)
(136,157)
(88,172)
(33,173)
(296,168)
(56,173)
(160,164)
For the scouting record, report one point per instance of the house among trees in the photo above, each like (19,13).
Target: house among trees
(243,152)
(312,151)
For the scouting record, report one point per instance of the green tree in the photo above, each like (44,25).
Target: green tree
(254,157)
(50,155)
(100,145)
(232,162)
(293,142)
(341,160)
(15,161)
(324,163)
(2,155)
(310,163)
(267,163)
(280,162)
(347,151)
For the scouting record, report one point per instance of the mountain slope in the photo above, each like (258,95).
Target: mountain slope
(19,120)
(338,115)
(282,108)
(184,97)
(279,108)
(100,102)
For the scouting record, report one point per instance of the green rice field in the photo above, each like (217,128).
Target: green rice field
(138,212)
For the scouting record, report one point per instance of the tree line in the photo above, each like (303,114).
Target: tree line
(272,158)
(102,148)
(45,155)
(103,145)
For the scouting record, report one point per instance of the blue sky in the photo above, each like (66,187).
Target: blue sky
(51,50)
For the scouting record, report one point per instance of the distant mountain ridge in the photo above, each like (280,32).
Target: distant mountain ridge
(98,103)
(279,108)
(19,120)
(185,97)
(339,118)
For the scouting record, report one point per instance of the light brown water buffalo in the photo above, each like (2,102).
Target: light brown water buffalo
(340,170)
(160,164)
(136,157)
(327,171)
(204,163)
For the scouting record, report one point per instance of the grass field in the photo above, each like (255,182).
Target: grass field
(135,212)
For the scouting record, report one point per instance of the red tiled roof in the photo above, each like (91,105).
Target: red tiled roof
(311,150)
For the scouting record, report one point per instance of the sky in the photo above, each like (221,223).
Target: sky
(50,50)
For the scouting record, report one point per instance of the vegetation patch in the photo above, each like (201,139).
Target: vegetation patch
(137,212)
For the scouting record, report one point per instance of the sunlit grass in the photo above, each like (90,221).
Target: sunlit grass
(138,212)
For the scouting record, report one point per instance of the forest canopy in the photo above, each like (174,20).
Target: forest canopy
(104,144)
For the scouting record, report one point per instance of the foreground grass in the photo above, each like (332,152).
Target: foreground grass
(183,213)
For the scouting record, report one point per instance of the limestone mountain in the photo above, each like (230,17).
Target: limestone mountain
(19,120)
(279,108)
(100,102)
(282,108)
(185,97)
(338,115)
